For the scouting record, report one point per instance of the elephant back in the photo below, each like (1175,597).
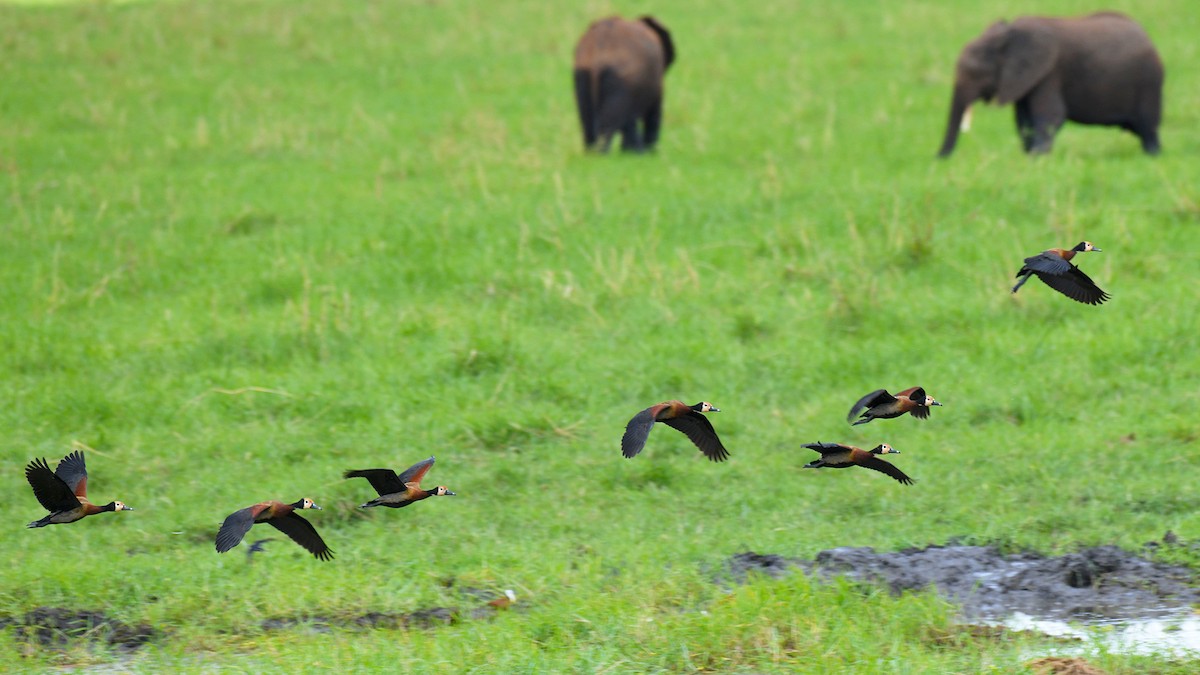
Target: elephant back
(633,49)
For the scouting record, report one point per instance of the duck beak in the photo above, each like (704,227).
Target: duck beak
(450,494)
(935,402)
(714,409)
(1097,249)
(128,508)
(317,507)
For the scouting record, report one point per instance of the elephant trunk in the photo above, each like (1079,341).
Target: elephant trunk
(958,107)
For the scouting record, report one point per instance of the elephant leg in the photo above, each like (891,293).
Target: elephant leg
(1150,141)
(631,137)
(1149,113)
(586,105)
(603,140)
(652,123)
(612,110)
(1024,123)
(1047,112)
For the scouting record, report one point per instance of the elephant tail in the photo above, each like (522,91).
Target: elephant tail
(587,100)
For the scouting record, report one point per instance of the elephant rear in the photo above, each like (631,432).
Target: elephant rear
(1118,47)
(619,68)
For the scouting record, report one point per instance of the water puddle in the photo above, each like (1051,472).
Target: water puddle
(1176,634)
(1096,597)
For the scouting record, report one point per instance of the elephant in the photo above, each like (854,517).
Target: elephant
(619,68)
(1096,69)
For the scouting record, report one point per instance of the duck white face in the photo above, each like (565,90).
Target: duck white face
(120,506)
(705,406)
(885,449)
(443,491)
(307,503)
(929,400)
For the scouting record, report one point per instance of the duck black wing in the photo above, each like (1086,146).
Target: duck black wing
(1074,284)
(826,448)
(1046,263)
(918,396)
(73,471)
(890,469)
(51,492)
(636,432)
(696,427)
(877,397)
(302,532)
(235,527)
(385,481)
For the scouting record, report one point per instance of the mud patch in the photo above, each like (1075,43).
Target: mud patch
(1093,584)
(742,565)
(1063,665)
(59,628)
(422,618)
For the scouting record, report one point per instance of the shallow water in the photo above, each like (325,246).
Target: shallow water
(1175,632)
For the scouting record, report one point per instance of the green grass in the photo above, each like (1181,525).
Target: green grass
(247,246)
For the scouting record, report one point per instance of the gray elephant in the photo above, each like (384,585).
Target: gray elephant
(1096,69)
(619,68)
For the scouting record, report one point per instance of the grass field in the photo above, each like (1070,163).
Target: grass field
(248,245)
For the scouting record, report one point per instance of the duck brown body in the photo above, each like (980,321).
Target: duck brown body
(397,491)
(63,492)
(279,515)
(841,456)
(879,404)
(688,419)
(1053,266)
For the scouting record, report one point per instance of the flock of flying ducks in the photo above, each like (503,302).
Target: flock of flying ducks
(63,491)
(1052,266)
(878,404)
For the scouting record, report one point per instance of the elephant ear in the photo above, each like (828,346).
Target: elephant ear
(981,57)
(1029,55)
(664,36)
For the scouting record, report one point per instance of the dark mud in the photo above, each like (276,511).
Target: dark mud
(1063,665)
(60,628)
(423,618)
(1093,584)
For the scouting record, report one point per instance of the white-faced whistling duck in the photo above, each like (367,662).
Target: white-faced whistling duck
(881,405)
(1054,268)
(677,415)
(64,491)
(839,456)
(282,517)
(399,491)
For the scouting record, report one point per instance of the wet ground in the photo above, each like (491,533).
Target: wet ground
(58,627)
(422,618)
(1100,583)
(62,628)
(485,604)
